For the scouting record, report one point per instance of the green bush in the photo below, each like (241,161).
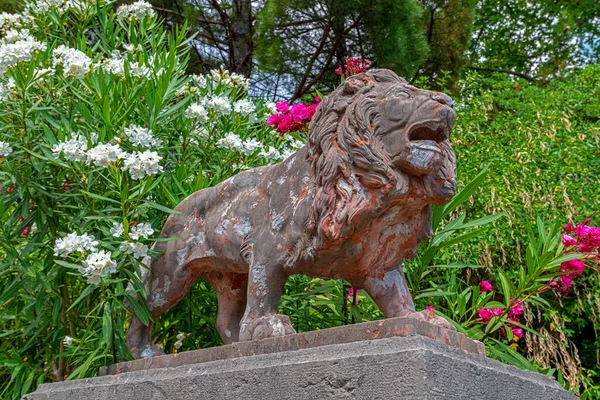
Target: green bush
(102,134)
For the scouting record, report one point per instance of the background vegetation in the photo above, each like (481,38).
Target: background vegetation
(528,110)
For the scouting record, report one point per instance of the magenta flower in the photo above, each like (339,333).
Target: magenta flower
(299,112)
(274,119)
(429,308)
(518,332)
(282,106)
(485,314)
(485,286)
(351,291)
(576,266)
(568,240)
(516,309)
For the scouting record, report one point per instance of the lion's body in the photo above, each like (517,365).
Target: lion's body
(335,209)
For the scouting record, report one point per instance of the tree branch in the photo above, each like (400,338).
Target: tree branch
(505,71)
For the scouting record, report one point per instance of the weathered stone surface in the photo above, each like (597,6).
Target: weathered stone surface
(411,367)
(344,334)
(352,203)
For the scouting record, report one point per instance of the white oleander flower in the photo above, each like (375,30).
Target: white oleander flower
(116,65)
(200,80)
(5,149)
(74,242)
(200,132)
(7,89)
(20,51)
(117,229)
(137,11)
(68,340)
(231,141)
(181,336)
(141,136)
(139,250)
(98,265)
(141,164)
(15,35)
(223,77)
(219,104)
(143,229)
(178,344)
(249,146)
(74,62)
(196,111)
(73,149)
(271,154)
(61,6)
(244,107)
(272,107)
(105,154)
(8,21)
(286,153)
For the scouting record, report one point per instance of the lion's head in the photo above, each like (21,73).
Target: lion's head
(377,140)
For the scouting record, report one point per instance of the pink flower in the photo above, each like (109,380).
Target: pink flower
(429,308)
(24,233)
(285,124)
(516,309)
(485,286)
(518,332)
(576,266)
(566,281)
(274,119)
(485,314)
(357,291)
(318,99)
(351,291)
(568,228)
(338,71)
(568,240)
(282,106)
(497,311)
(299,112)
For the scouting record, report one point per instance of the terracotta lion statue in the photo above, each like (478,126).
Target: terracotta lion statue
(352,203)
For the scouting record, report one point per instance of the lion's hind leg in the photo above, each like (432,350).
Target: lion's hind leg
(230,288)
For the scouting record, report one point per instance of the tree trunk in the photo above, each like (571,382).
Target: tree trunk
(240,36)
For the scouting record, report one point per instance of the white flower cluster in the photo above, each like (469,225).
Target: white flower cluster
(272,107)
(142,164)
(117,229)
(73,149)
(74,62)
(233,142)
(244,107)
(230,80)
(15,35)
(143,229)
(8,21)
(42,6)
(137,11)
(116,65)
(68,340)
(5,149)
(196,111)
(74,242)
(98,265)
(139,250)
(22,49)
(139,164)
(6,89)
(218,104)
(105,154)
(139,136)
(179,341)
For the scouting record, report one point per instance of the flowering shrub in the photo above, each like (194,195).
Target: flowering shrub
(101,135)
(292,118)
(352,66)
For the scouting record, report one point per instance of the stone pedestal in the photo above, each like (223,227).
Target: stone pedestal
(376,360)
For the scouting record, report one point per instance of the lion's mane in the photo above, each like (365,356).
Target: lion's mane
(352,169)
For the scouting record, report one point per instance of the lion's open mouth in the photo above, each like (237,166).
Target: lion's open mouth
(437,132)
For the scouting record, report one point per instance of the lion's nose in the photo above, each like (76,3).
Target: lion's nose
(443,98)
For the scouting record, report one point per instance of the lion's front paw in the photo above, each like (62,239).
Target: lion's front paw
(267,326)
(429,316)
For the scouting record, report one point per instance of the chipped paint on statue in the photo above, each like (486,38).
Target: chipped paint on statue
(353,203)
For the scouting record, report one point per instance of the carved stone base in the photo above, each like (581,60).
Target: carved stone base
(376,360)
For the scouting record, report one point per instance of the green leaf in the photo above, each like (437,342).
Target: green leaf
(161,208)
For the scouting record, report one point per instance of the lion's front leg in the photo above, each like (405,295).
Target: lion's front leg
(393,298)
(265,285)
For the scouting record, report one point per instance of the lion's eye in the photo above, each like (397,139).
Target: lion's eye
(399,93)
